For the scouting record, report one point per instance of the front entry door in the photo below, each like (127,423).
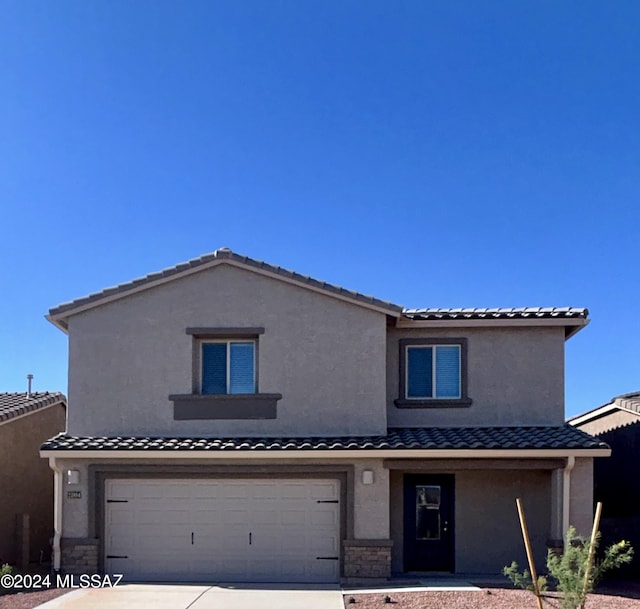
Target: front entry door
(428,522)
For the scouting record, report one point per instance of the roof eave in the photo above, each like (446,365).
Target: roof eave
(532,453)
(599,413)
(59,321)
(571,326)
(60,314)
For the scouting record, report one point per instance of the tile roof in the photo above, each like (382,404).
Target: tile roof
(449,438)
(629,402)
(508,313)
(16,404)
(222,254)
(415,314)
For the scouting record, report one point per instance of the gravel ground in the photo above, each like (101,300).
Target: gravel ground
(28,600)
(627,597)
(487,598)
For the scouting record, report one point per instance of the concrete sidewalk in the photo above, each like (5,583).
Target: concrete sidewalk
(172,596)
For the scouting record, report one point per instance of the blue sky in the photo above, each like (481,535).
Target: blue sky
(428,153)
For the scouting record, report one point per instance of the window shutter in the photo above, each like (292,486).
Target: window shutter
(241,356)
(214,368)
(448,371)
(419,372)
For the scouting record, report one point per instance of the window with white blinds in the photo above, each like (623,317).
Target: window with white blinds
(433,372)
(228,367)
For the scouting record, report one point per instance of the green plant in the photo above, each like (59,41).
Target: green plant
(6,569)
(569,569)
(524,580)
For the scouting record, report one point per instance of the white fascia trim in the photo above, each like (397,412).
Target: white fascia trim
(59,319)
(593,414)
(480,323)
(599,413)
(26,414)
(324,454)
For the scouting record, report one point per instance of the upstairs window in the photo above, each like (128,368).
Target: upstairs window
(228,367)
(433,372)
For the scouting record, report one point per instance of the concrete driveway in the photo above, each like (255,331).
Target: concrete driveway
(173,596)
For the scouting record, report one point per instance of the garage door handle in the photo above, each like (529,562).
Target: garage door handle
(249,538)
(327,558)
(191,538)
(114,556)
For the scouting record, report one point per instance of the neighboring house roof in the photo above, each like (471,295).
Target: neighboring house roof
(13,405)
(572,318)
(438,439)
(628,402)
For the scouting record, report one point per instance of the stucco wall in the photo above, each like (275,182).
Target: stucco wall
(371,501)
(487,530)
(515,377)
(325,356)
(581,503)
(612,420)
(26,481)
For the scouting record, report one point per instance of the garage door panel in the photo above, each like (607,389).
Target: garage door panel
(243,530)
(294,490)
(325,545)
(324,490)
(265,490)
(293,517)
(324,518)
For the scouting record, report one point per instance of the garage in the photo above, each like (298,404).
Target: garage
(235,530)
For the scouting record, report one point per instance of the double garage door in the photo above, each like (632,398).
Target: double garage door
(235,530)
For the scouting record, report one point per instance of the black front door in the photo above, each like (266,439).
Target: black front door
(428,522)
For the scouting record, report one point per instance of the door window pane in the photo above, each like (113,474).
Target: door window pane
(428,512)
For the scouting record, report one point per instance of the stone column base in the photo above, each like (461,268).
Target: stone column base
(79,555)
(367,558)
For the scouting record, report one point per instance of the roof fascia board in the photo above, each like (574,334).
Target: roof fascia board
(34,411)
(600,413)
(407,323)
(59,319)
(326,454)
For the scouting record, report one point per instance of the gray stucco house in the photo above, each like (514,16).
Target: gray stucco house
(26,483)
(615,479)
(231,420)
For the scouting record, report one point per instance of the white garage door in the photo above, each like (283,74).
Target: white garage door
(223,530)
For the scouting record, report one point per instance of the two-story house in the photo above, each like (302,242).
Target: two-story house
(232,420)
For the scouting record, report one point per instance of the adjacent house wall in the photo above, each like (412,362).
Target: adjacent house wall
(325,356)
(610,421)
(26,482)
(515,377)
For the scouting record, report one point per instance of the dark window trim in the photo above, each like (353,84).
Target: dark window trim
(239,406)
(403,402)
(203,332)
